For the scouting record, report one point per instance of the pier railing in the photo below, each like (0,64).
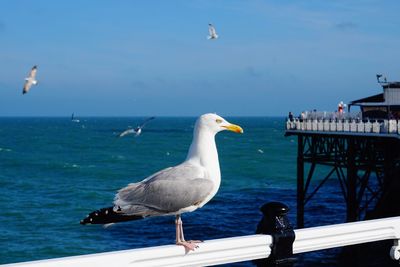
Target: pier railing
(326,115)
(354,126)
(236,249)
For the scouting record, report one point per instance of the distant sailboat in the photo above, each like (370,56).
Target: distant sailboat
(73,118)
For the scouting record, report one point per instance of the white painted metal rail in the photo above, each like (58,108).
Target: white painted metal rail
(339,235)
(236,249)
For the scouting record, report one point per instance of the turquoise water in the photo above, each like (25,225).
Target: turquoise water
(53,172)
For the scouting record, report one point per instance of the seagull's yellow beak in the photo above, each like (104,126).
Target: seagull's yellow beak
(234,128)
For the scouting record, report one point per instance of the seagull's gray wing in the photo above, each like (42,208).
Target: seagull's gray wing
(126,132)
(27,86)
(145,122)
(211,30)
(167,191)
(32,74)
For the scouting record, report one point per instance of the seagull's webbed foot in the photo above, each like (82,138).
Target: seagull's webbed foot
(188,245)
(195,241)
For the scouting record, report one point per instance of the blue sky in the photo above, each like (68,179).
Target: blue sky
(139,58)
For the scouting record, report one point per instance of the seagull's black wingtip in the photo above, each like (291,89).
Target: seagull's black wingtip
(86,220)
(108,215)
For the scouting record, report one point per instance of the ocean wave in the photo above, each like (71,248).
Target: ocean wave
(71,165)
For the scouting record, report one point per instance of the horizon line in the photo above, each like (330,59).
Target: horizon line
(134,116)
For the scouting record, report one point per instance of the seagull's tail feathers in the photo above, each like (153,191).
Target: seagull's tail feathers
(108,216)
(34,82)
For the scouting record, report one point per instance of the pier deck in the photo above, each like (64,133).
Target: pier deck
(336,133)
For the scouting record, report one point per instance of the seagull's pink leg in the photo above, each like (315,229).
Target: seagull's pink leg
(180,240)
(178,230)
(183,237)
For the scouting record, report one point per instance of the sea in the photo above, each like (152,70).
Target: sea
(53,172)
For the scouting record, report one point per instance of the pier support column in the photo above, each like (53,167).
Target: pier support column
(300,183)
(352,214)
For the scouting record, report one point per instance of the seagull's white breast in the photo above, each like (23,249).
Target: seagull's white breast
(203,152)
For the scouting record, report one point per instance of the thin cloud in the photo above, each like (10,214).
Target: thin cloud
(251,71)
(343,26)
(140,85)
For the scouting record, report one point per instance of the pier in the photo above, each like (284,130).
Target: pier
(365,165)
(362,151)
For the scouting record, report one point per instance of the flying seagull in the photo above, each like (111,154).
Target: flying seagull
(138,130)
(29,81)
(175,190)
(212,32)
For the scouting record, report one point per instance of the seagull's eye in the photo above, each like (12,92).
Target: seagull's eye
(218,121)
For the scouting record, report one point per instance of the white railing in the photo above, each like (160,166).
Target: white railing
(354,126)
(236,249)
(327,115)
(211,252)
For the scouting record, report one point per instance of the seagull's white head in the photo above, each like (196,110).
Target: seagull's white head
(215,124)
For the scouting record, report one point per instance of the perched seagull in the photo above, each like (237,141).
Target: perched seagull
(212,32)
(138,130)
(175,190)
(29,81)
(378,77)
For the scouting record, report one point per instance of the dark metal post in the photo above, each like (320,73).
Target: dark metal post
(352,205)
(388,163)
(276,224)
(300,183)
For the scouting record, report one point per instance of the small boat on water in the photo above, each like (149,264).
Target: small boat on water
(73,119)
